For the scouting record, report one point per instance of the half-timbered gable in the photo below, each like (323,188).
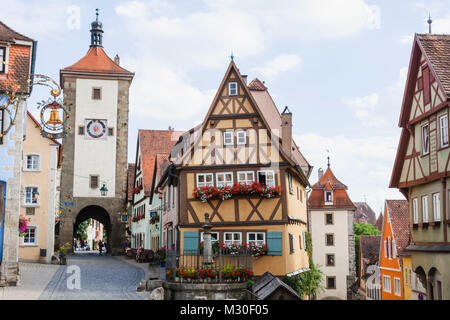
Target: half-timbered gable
(240,143)
(421,168)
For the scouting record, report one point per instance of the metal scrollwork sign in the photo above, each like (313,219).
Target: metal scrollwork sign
(53,113)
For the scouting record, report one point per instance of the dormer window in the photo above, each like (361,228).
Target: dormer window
(328,197)
(232,89)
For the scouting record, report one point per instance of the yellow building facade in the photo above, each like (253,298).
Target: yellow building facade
(245,140)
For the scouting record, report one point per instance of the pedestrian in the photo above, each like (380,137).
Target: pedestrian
(100,246)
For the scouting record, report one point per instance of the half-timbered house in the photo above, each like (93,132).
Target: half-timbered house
(421,170)
(242,167)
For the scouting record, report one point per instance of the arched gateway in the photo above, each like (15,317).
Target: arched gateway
(94,164)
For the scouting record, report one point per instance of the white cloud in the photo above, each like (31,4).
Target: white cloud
(441,25)
(364,108)
(281,63)
(407,39)
(131,9)
(363,164)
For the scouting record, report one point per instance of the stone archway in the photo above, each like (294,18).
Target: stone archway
(434,288)
(97,213)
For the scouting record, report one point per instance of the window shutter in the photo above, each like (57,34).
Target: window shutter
(304,240)
(274,242)
(190,242)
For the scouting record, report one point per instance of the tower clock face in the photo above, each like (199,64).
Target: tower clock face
(96,129)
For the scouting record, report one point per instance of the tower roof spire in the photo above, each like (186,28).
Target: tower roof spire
(328,158)
(96,32)
(429,21)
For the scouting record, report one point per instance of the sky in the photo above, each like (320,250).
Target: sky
(340,66)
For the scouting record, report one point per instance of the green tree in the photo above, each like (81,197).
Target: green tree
(361,229)
(80,233)
(308,282)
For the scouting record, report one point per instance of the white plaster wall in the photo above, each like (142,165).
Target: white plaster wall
(340,250)
(95,157)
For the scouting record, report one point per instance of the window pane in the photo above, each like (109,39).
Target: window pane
(228,236)
(260,236)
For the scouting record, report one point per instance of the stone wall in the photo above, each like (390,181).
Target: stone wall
(9,264)
(212,291)
(351,278)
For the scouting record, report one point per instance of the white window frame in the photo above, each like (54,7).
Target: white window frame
(38,167)
(212,240)
(273,182)
(205,184)
(31,204)
(385,249)
(424,209)
(394,249)
(225,182)
(290,183)
(257,242)
(325,197)
(443,130)
(229,242)
(415,211)
(397,287)
(425,147)
(436,207)
(6,59)
(386,280)
(230,92)
(241,137)
(389,245)
(246,180)
(228,135)
(30,244)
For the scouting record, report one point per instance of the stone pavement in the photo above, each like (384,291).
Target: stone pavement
(34,277)
(102,278)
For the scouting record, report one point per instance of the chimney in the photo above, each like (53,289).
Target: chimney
(244,77)
(117,59)
(286,131)
(320,173)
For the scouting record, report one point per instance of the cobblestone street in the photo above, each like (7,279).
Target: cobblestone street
(102,278)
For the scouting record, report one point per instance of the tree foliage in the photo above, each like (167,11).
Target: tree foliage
(80,233)
(363,229)
(308,282)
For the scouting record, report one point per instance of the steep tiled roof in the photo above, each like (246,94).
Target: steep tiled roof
(369,247)
(130,180)
(364,213)
(272,115)
(330,183)
(97,61)
(437,50)
(379,223)
(8,34)
(257,85)
(267,284)
(152,142)
(399,216)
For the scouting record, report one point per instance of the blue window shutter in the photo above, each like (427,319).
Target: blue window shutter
(190,242)
(274,242)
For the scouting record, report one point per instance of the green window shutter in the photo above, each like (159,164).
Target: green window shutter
(274,242)
(190,242)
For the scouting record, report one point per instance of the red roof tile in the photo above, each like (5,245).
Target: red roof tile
(364,213)
(97,61)
(152,143)
(330,183)
(369,247)
(398,211)
(130,180)
(257,85)
(437,50)
(8,34)
(379,223)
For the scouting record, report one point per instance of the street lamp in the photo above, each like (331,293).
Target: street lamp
(104,190)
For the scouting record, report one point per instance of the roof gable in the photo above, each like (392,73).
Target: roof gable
(398,212)
(97,61)
(151,143)
(10,35)
(364,213)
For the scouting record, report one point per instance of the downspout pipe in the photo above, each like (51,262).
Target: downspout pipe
(172,174)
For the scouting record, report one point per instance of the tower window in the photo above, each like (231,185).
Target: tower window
(232,89)
(96,93)
(328,197)
(110,131)
(330,260)
(81,130)
(93,181)
(328,218)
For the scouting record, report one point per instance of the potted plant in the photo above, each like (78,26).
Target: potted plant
(63,252)
(23,225)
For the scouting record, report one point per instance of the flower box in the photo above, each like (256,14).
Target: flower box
(238,189)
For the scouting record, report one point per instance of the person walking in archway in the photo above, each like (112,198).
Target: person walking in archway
(100,247)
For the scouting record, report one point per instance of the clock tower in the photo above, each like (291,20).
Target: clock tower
(94,165)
